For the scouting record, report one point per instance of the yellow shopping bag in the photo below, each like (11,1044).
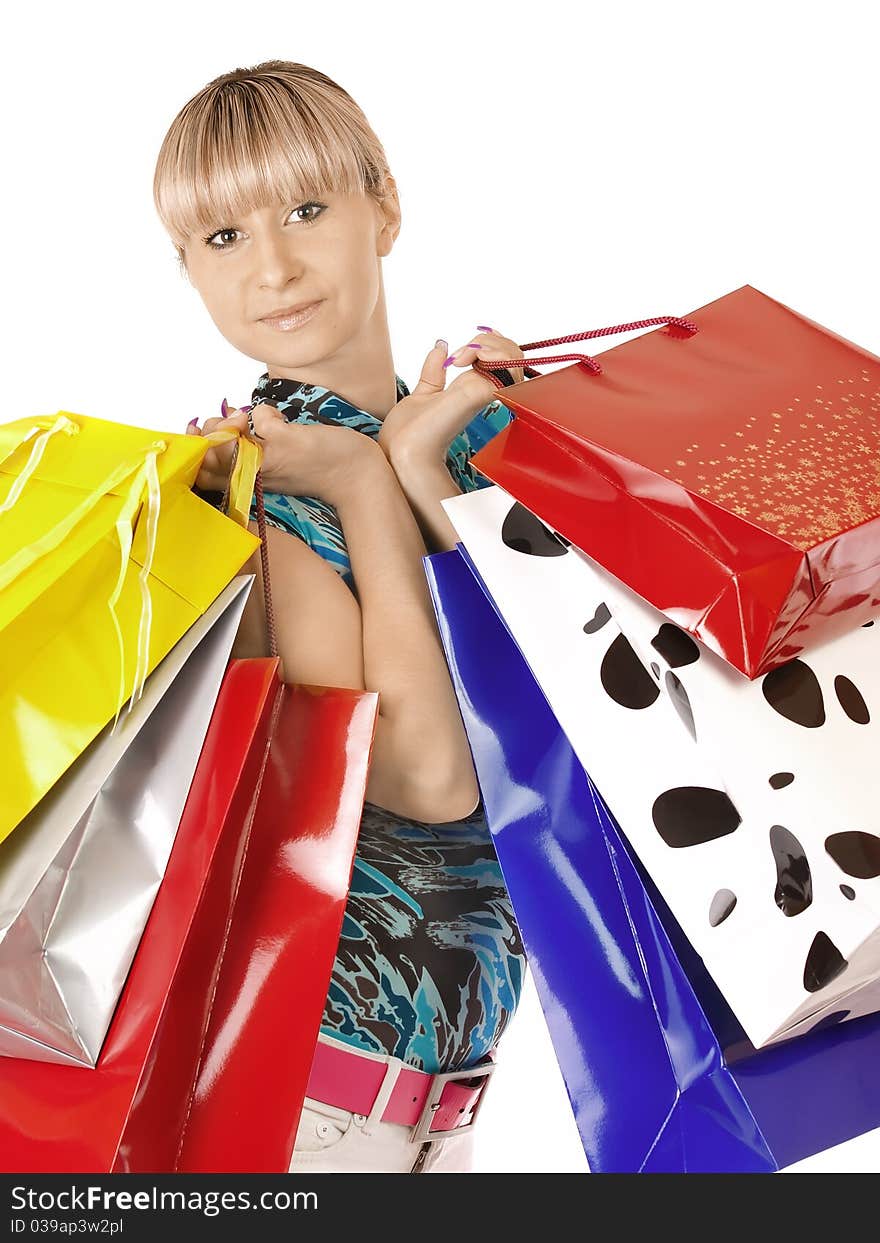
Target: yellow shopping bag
(106,559)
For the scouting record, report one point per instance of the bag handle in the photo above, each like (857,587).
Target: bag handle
(244,484)
(486,367)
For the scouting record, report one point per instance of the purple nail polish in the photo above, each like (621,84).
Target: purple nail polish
(193,423)
(224,409)
(245,409)
(483,328)
(473,345)
(450,360)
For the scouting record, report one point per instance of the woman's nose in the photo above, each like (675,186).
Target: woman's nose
(276,260)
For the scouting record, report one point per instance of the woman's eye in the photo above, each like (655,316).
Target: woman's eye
(209,241)
(320,206)
(219,233)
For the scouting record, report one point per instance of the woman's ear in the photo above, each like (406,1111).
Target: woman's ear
(390,217)
(181,264)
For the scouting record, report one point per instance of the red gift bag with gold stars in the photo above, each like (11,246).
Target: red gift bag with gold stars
(724,466)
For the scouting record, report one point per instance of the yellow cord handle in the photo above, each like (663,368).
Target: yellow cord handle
(144,474)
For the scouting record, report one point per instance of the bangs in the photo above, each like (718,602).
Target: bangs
(249,143)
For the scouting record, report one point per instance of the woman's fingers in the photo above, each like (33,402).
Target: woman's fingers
(433,375)
(235,422)
(265,419)
(465,354)
(216,465)
(490,346)
(213,472)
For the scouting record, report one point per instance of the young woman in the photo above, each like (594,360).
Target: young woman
(279,200)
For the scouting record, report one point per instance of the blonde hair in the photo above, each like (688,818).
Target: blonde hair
(278,131)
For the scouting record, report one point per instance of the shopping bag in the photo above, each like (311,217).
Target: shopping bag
(796,748)
(81,872)
(723,467)
(659,1073)
(127,1114)
(734,874)
(96,583)
(269,1003)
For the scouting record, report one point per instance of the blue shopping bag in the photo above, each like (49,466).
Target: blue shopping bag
(660,1074)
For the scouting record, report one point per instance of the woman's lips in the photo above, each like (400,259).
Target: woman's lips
(287,323)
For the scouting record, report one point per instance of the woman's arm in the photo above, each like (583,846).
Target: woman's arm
(402,652)
(426,480)
(320,631)
(425,485)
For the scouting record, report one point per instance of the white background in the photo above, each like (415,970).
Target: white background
(561,166)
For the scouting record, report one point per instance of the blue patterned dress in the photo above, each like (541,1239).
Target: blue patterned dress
(430,961)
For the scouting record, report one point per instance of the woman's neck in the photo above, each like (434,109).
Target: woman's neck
(362,372)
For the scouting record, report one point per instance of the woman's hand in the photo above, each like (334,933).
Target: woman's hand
(299,459)
(491,346)
(422,426)
(217,464)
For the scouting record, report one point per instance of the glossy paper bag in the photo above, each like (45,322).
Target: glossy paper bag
(97,580)
(645,1042)
(79,875)
(285,931)
(727,474)
(797,753)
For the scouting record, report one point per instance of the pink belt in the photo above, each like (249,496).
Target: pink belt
(435,1105)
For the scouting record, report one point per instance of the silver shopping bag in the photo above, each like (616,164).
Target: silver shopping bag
(79,875)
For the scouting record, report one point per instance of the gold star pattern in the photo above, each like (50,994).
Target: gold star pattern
(806,488)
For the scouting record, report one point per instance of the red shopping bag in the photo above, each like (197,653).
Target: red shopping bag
(285,931)
(127,1114)
(724,467)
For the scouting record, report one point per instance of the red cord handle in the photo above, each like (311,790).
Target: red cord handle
(487,368)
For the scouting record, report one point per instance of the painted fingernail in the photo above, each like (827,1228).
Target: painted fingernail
(245,409)
(192,423)
(473,345)
(483,328)
(224,409)
(450,360)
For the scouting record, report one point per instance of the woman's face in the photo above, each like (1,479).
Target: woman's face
(324,250)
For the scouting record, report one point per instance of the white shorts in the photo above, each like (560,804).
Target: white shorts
(334,1141)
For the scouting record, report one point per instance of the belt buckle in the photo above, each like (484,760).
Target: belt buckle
(422,1131)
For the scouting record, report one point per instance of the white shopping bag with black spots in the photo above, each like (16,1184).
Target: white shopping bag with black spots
(752,804)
